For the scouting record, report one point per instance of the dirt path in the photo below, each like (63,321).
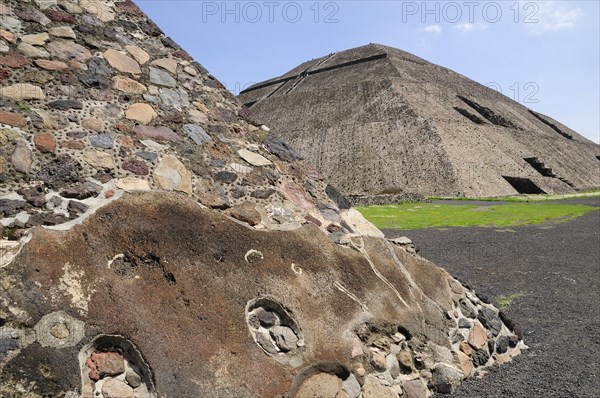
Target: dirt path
(556,266)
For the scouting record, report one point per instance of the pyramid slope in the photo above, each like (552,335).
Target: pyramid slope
(157,242)
(481,136)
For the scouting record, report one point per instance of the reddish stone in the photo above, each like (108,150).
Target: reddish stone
(478,337)
(14,60)
(295,194)
(31,14)
(104,364)
(160,133)
(5,73)
(50,65)
(44,142)
(73,144)
(101,95)
(122,127)
(312,173)
(127,142)
(109,194)
(77,65)
(13,119)
(173,117)
(136,167)
(68,77)
(313,220)
(59,16)
(127,7)
(182,54)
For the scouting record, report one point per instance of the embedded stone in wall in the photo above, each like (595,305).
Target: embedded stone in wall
(104,141)
(138,167)
(171,175)
(38,39)
(128,85)
(275,331)
(45,142)
(59,330)
(169,64)
(115,388)
(13,119)
(211,194)
(141,112)
(22,91)
(197,134)
(140,55)
(99,159)
(67,50)
(254,158)
(62,31)
(122,62)
(178,99)
(161,133)
(92,123)
(8,36)
(14,60)
(162,78)
(21,158)
(112,367)
(132,184)
(99,9)
(32,51)
(65,105)
(50,65)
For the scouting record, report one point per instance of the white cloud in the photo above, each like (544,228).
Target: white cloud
(550,17)
(437,29)
(469,27)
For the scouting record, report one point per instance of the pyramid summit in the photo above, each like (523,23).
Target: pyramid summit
(377,120)
(158,242)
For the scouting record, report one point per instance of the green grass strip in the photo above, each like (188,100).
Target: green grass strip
(429,215)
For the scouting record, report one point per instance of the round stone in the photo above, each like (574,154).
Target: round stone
(60,331)
(141,112)
(50,333)
(92,124)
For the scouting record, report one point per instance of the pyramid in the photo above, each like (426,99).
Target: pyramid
(158,242)
(376,120)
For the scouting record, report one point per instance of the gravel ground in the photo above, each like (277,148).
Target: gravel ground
(556,266)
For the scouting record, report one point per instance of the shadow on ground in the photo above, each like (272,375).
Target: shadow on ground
(556,266)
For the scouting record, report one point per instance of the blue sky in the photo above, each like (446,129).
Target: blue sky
(544,54)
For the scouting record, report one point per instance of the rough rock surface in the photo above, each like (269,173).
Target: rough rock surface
(196,254)
(377,121)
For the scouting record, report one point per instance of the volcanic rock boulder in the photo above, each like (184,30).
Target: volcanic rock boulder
(154,293)
(382,125)
(196,254)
